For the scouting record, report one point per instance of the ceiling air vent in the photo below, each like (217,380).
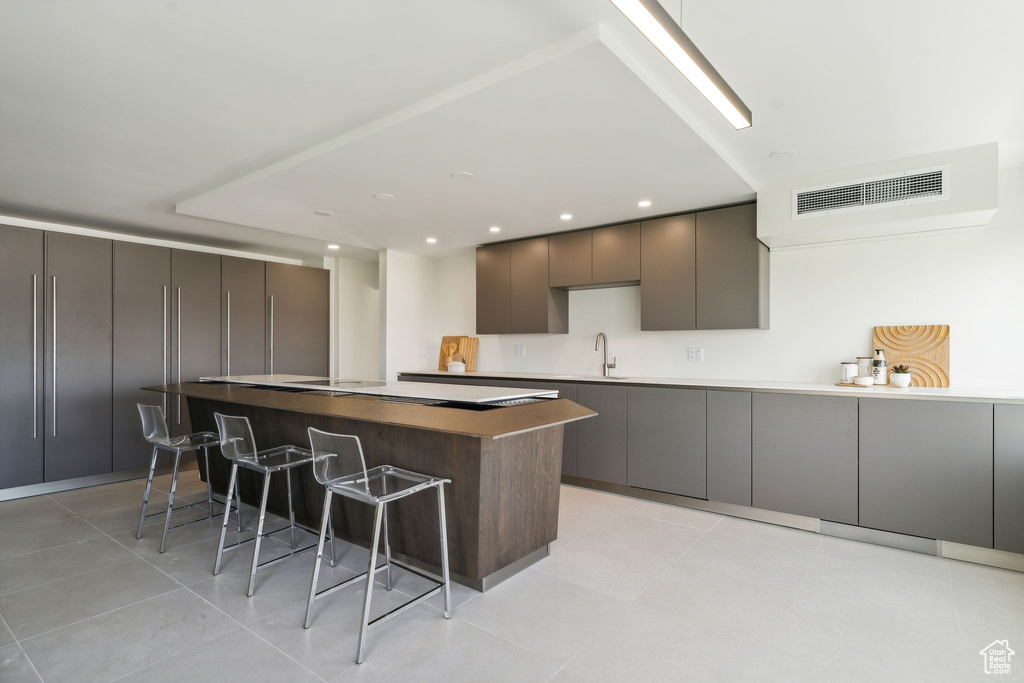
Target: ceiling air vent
(910,187)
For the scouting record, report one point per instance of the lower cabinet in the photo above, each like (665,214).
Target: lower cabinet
(667,440)
(602,439)
(571,433)
(729,446)
(926,469)
(1009,478)
(804,455)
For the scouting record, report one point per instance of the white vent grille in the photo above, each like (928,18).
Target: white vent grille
(902,188)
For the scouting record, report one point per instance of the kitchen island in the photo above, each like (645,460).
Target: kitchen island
(502,449)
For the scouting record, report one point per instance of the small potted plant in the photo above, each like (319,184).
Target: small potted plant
(900,376)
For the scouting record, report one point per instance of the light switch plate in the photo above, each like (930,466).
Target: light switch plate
(520,350)
(421,352)
(695,354)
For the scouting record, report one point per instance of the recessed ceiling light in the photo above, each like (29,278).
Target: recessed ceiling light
(644,203)
(494,228)
(566,216)
(431,240)
(333,246)
(383,196)
(781,154)
(323,213)
(651,19)
(462,175)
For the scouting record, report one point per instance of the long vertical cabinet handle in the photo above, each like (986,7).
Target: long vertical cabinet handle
(35,357)
(53,392)
(271,334)
(179,352)
(164,356)
(229,334)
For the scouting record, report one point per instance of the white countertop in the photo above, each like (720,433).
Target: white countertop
(1013,396)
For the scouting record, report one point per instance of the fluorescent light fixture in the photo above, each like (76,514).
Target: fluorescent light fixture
(494,228)
(657,25)
(333,246)
(431,240)
(644,203)
(566,216)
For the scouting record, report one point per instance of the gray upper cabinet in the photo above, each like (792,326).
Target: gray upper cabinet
(79,275)
(298,327)
(667,262)
(926,469)
(142,280)
(1009,478)
(804,455)
(535,306)
(570,437)
(601,451)
(244,324)
(493,289)
(195,325)
(667,440)
(729,446)
(570,256)
(21,356)
(616,254)
(732,270)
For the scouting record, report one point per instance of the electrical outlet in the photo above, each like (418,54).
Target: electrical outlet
(421,352)
(695,354)
(520,350)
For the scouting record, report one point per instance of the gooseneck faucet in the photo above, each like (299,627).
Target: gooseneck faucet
(605,366)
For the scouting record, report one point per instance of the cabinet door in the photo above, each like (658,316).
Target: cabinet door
(21,356)
(617,254)
(804,455)
(601,451)
(569,259)
(195,325)
(571,434)
(493,289)
(142,280)
(243,292)
(926,469)
(729,447)
(667,440)
(1009,478)
(535,306)
(79,345)
(729,269)
(667,259)
(299,324)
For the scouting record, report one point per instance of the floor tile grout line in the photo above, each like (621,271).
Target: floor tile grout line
(956,611)
(29,660)
(306,668)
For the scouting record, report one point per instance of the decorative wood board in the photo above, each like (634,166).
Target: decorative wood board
(924,348)
(467,346)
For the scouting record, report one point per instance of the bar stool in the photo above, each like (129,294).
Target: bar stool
(238,445)
(154,429)
(339,464)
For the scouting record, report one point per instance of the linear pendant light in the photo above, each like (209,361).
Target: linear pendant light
(657,25)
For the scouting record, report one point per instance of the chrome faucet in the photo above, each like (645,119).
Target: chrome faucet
(606,366)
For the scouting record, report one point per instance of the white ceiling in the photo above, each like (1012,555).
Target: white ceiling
(258,112)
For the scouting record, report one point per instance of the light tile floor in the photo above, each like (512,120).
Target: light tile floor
(633,591)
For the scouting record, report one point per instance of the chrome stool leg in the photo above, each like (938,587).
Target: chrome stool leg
(325,521)
(291,508)
(370,571)
(238,507)
(330,525)
(149,487)
(209,484)
(170,500)
(387,546)
(232,488)
(444,552)
(259,533)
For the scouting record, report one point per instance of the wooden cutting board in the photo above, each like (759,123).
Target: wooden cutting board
(925,348)
(467,346)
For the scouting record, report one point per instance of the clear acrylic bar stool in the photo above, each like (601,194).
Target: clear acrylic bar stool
(238,445)
(339,464)
(154,428)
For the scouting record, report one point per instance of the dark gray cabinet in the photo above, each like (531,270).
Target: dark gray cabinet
(510,383)
(728,428)
(731,270)
(667,440)
(570,256)
(804,455)
(22,283)
(601,448)
(79,274)
(570,437)
(142,280)
(493,289)
(244,324)
(667,261)
(1009,478)
(439,379)
(926,469)
(298,300)
(535,306)
(616,254)
(195,325)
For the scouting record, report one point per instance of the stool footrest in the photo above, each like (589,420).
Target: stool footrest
(401,608)
(349,582)
(185,507)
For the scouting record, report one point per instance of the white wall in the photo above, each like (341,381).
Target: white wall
(824,302)
(357,311)
(409,297)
